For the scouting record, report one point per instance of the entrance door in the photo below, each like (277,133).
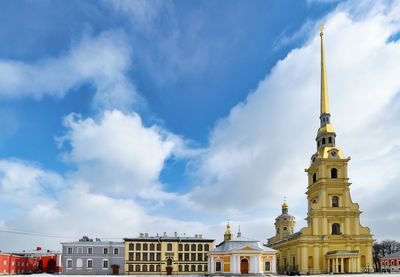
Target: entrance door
(169,270)
(51,266)
(244,266)
(115,269)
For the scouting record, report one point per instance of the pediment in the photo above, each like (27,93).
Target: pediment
(247,248)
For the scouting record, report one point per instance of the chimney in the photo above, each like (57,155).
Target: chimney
(200,236)
(146,235)
(165,234)
(175,234)
(196,236)
(141,235)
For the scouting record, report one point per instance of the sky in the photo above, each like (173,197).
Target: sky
(121,117)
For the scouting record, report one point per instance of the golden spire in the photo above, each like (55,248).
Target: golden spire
(228,233)
(324,84)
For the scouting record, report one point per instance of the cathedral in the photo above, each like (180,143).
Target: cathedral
(334,240)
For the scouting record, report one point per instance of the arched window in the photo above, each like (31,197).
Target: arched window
(169,247)
(335,229)
(200,248)
(137,268)
(218,266)
(169,261)
(186,247)
(330,140)
(193,247)
(145,247)
(323,141)
(314,177)
(144,268)
(335,201)
(334,173)
(151,268)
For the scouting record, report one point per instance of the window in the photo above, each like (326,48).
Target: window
(105,251)
(335,201)
(69,250)
(200,257)
(145,247)
(116,251)
(285,228)
(144,256)
(186,267)
(152,247)
(205,268)
(277,230)
(314,177)
(392,263)
(137,268)
(193,248)
(131,247)
(199,268)
(205,258)
(330,140)
(90,250)
(186,247)
(169,261)
(137,256)
(144,268)
(158,256)
(267,266)
(138,246)
(151,268)
(151,256)
(180,268)
(130,268)
(186,256)
(199,247)
(105,264)
(193,268)
(334,173)
(79,263)
(218,266)
(169,247)
(159,247)
(180,257)
(158,268)
(206,247)
(180,247)
(335,229)
(131,256)
(193,257)
(323,141)
(89,263)
(69,263)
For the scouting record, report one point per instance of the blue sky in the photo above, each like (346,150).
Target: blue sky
(179,115)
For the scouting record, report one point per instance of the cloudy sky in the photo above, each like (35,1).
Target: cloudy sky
(120,117)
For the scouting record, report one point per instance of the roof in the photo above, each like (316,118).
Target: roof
(164,238)
(393,255)
(94,243)
(241,243)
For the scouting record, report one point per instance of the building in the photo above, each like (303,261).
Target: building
(17,264)
(390,262)
(241,256)
(334,240)
(167,254)
(88,256)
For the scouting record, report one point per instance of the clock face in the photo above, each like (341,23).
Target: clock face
(333,153)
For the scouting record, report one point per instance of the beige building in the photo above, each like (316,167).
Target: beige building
(334,240)
(167,254)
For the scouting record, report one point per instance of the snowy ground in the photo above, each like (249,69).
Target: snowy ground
(335,275)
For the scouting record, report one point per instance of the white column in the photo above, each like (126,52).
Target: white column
(212,265)
(251,265)
(273,265)
(238,264)
(258,269)
(233,264)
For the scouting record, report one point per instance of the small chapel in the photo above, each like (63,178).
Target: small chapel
(333,241)
(241,256)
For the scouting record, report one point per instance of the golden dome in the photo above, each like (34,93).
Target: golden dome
(285,205)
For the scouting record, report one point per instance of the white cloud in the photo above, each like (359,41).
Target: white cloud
(101,61)
(258,153)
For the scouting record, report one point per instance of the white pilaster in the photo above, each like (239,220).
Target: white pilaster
(238,264)
(212,265)
(273,265)
(233,264)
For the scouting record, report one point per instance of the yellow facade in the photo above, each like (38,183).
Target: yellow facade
(166,255)
(334,240)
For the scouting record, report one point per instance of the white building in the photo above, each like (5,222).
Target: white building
(241,256)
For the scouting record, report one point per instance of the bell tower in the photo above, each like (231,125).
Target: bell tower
(284,223)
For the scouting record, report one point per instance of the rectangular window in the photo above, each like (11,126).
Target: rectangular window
(116,251)
(180,247)
(69,264)
(158,246)
(193,256)
(105,251)
(186,257)
(158,256)
(200,257)
(137,256)
(180,258)
(130,268)
(131,247)
(105,264)
(152,247)
(131,256)
(89,264)
(144,256)
(169,247)
(151,256)
(90,250)
(138,246)
(69,250)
